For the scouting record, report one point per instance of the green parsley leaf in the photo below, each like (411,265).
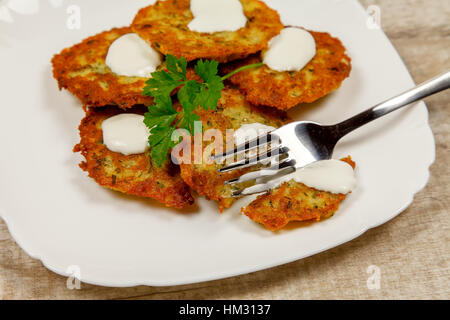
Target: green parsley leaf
(162,83)
(209,96)
(161,141)
(188,121)
(187,95)
(162,119)
(206,69)
(176,66)
(161,113)
(213,84)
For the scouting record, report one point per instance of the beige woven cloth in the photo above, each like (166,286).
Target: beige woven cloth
(410,254)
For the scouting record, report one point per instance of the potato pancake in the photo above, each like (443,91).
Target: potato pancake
(283,90)
(82,70)
(133,174)
(165,25)
(232,112)
(293,201)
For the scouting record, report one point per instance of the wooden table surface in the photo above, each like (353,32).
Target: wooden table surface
(411,252)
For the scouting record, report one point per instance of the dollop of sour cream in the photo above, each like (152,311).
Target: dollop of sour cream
(217,15)
(126,133)
(131,56)
(291,50)
(332,175)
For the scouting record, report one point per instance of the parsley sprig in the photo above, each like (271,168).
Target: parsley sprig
(162,119)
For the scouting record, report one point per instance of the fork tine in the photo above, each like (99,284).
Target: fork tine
(247,162)
(271,171)
(257,188)
(248,145)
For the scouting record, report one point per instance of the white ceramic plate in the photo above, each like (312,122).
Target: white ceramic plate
(65,219)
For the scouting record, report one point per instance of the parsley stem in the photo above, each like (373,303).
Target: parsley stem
(250,66)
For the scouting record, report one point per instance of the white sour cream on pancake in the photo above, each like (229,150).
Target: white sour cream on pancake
(217,16)
(291,50)
(131,56)
(125,133)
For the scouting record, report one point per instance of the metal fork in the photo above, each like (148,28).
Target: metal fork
(303,142)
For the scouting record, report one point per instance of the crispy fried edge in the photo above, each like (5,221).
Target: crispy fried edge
(207,185)
(264,86)
(173,39)
(287,209)
(175,193)
(90,91)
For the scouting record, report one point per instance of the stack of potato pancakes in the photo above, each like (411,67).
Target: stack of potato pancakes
(255,95)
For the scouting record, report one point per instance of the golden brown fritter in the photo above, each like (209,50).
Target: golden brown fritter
(165,25)
(81,69)
(133,174)
(232,112)
(283,90)
(293,201)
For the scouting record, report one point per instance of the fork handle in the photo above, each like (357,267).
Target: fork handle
(423,90)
